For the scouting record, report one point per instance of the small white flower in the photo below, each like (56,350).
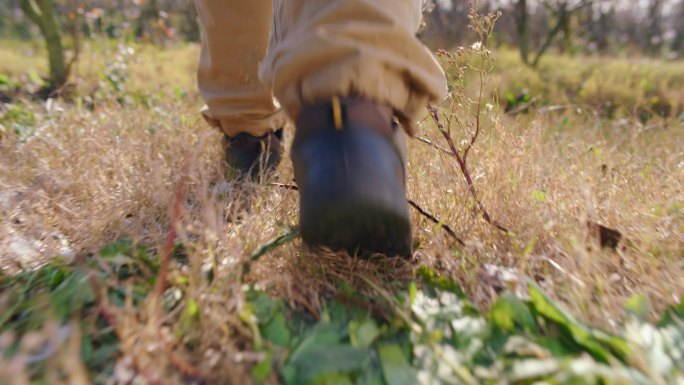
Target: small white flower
(476,46)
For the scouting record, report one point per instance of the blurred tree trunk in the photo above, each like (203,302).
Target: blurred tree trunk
(678,42)
(190,24)
(567,44)
(655,27)
(42,13)
(523,30)
(602,24)
(563,14)
(149,13)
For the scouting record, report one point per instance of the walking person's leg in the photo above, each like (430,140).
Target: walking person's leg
(235,36)
(342,69)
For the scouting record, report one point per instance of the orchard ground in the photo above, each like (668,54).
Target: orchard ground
(89,182)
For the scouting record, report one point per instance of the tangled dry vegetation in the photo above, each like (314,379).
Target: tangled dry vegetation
(92,182)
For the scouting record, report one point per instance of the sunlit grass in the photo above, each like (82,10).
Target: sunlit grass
(79,174)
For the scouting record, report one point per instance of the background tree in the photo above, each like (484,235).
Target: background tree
(534,27)
(43,14)
(523,29)
(678,41)
(561,13)
(655,27)
(598,17)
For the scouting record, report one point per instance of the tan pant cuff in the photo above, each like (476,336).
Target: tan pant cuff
(246,124)
(368,80)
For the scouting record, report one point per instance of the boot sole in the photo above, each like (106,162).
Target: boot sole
(363,231)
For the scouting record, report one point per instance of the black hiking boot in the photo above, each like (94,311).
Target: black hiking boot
(349,167)
(253,156)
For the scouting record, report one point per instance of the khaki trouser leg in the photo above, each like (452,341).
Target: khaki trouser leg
(235,36)
(364,48)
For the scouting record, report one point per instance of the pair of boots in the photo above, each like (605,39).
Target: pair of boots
(348,161)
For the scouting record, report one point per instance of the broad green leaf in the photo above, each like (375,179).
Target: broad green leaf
(509,312)
(597,343)
(262,305)
(311,364)
(276,330)
(371,375)
(675,314)
(120,247)
(439,282)
(395,366)
(334,379)
(363,333)
(321,335)
(72,294)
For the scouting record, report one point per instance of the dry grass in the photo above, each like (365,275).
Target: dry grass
(79,179)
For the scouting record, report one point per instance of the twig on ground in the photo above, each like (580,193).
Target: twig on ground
(285,186)
(436,221)
(561,107)
(413,204)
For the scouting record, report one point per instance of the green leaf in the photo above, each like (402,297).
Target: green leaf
(599,344)
(262,305)
(395,366)
(439,282)
(334,379)
(189,316)
(371,375)
(363,333)
(276,330)
(510,312)
(72,295)
(510,98)
(674,314)
(120,247)
(413,291)
(321,335)
(311,364)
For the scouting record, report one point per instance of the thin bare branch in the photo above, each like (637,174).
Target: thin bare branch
(464,169)
(473,139)
(171,235)
(433,144)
